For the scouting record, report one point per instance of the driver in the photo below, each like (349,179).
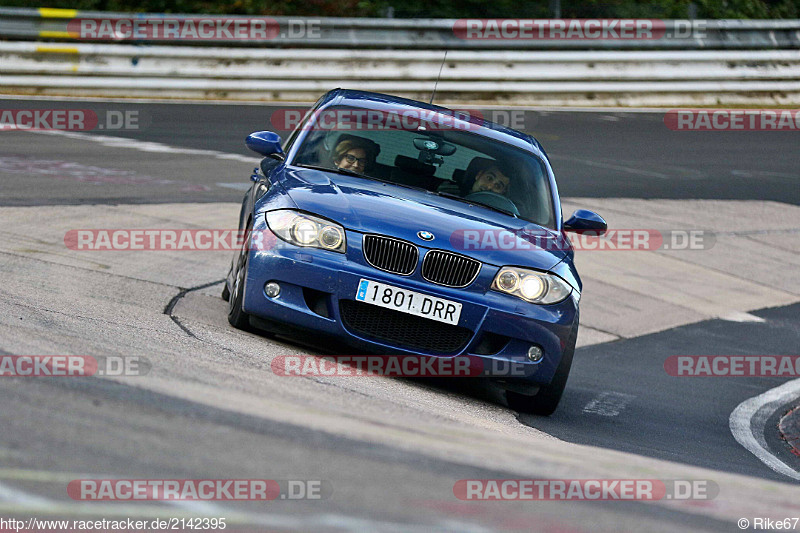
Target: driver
(491,179)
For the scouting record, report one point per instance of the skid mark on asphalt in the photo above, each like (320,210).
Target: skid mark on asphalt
(71,171)
(172,303)
(608,403)
(146,146)
(14,501)
(678,172)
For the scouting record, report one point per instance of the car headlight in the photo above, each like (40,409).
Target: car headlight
(302,229)
(531,286)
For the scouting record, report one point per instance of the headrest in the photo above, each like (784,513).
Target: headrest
(369,144)
(409,164)
(478,164)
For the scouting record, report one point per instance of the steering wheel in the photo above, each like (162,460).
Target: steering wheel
(495,200)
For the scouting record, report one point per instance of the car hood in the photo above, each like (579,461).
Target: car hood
(370,206)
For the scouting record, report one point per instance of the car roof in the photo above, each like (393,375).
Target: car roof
(378,101)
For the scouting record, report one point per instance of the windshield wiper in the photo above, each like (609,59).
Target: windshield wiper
(356,174)
(462,199)
(344,171)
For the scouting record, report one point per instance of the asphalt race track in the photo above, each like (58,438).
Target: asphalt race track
(696,408)
(607,154)
(388,452)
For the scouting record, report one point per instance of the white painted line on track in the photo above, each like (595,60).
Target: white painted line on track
(621,168)
(741,316)
(748,421)
(236,186)
(20,497)
(146,146)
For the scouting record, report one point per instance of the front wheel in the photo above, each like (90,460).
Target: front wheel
(236,315)
(546,401)
(226,292)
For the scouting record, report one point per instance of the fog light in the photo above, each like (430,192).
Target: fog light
(272,289)
(535,353)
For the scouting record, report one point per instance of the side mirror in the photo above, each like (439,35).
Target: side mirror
(265,143)
(584,220)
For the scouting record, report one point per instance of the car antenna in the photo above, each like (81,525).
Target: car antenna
(437,77)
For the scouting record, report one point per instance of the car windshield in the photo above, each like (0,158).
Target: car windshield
(442,157)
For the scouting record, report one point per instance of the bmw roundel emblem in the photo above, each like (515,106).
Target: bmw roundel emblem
(425,235)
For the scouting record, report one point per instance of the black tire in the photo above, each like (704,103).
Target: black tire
(545,402)
(226,293)
(236,315)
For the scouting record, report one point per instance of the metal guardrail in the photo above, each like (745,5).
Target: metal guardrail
(420,34)
(732,63)
(766,77)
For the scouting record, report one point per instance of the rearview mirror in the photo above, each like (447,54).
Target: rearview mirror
(265,143)
(435,146)
(584,220)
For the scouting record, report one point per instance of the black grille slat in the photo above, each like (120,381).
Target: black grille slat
(458,270)
(396,257)
(450,272)
(411,262)
(382,255)
(448,268)
(439,270)
(403,330)
(443,270)
(391,255)
(463,271)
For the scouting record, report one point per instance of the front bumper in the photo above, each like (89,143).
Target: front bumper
(318,289)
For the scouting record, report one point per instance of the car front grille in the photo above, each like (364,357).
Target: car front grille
(447,268)
(391,255)
(403,330)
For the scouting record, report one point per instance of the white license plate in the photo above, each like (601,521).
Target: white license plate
(405,301)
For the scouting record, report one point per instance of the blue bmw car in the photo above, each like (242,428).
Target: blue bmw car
(399,227)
